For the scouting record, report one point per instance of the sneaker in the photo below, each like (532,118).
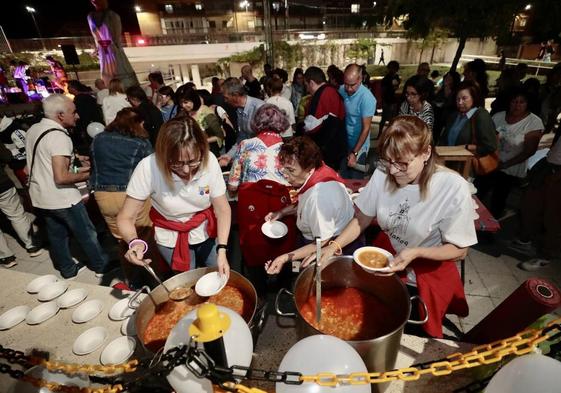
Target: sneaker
(34,251)
(80,267)
(108,269)
(8,261)
(534,264)
(522,247)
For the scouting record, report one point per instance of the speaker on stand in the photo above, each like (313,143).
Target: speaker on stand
(71,57)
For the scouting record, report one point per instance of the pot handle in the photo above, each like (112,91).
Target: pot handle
(133,303)
(261,317)
(277,305)
(425,309)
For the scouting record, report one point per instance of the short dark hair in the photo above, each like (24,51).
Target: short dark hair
(205,96)
(303,150)
(421,84)
(233,86)
(393,64)
(275,85)
(136,92)
(166,91)
(315,74)
(283,75)
(190,95)
(156,76)
(474,91)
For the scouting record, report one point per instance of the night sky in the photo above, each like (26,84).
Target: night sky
(58,17)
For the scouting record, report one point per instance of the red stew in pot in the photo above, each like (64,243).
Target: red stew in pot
(169,313)
(350,314)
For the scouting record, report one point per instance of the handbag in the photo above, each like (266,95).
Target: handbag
(483,165)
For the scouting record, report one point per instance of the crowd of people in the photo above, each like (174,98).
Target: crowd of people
(163,170)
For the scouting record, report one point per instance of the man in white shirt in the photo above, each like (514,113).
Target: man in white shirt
(102,91)
(53,174)
(274,88)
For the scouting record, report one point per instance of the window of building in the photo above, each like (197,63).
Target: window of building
(198,6)
(169,8)
(355,8)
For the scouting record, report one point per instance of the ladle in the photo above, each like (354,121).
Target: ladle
(177,294)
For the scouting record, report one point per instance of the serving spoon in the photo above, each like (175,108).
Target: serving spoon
(177,294)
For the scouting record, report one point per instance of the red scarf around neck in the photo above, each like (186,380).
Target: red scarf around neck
(181,257)
(269,138)
(320,175)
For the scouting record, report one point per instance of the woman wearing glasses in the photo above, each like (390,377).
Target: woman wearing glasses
(190,212)
(416,91)
(426,215)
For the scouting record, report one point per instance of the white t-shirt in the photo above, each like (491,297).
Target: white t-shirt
(286,106)
(511,139)
(324,210)
(181,202)
(44,192)
(101,94)
(113,104)
(446,215)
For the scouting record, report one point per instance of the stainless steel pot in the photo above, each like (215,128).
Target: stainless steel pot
(146,309)
(379,353)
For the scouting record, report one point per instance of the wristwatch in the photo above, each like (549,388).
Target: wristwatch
(219,246)
(355,153)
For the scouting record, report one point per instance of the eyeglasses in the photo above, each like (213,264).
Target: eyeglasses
(399,165)
(181,164)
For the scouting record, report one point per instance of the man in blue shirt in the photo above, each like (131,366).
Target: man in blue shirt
(360,106)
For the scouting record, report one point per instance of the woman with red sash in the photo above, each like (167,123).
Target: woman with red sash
(322,206)
(190,211)
(257,178)
(426,215)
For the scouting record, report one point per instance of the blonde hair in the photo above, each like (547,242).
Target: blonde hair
(408,136)
(176,135)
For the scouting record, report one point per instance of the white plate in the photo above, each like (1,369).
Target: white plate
(38,283)
(13,316)
(89,341)
(41,313)
(274,229)
(121,310)
(87,311)
(72,298)
(210,284)
(52,291)
(128,327)
(369,268)
(118,351)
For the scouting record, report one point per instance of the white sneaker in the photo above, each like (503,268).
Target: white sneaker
(534,264)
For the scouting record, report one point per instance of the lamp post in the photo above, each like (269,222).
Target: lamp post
(32,11)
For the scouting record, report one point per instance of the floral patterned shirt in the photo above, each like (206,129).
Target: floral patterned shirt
(257,159)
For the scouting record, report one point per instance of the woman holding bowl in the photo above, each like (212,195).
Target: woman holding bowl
(426,215)
(322,208)
(190,211)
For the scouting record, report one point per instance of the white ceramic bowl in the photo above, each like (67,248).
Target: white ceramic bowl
(87,311)
(367,267)
(274,229)
(121,310)
(118,351)
(35,285)
(13,316)
(72,298)
(89,341)
(210,284)
(41,313)
(52,291)
(128,327)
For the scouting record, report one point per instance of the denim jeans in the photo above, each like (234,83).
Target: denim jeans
(73,220)
(347,172)
(202,254)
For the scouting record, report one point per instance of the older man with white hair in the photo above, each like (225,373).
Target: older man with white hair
(54,170)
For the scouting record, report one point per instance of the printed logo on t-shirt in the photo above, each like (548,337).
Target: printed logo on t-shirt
(398,223)
(204,190)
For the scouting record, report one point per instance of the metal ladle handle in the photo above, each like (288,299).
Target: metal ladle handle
(153,274)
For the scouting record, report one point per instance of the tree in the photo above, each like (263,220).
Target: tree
(464,19)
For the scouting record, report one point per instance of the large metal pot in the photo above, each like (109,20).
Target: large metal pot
(379,353)
(145,311)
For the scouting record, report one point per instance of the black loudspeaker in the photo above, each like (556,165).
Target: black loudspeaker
(70,55)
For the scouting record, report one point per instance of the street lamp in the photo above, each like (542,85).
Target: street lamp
(244,4)
(32,11)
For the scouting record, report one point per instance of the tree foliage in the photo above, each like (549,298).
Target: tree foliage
(463,19)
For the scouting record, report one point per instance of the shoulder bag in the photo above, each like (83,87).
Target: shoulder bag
(482,165)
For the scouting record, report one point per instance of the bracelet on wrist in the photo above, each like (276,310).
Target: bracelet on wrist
(135,241)
(219,246)
(339,250)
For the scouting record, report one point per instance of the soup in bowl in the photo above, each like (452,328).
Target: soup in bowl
(373,259)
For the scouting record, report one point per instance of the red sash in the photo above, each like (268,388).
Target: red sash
(439,285)
(181,257)
(320,175)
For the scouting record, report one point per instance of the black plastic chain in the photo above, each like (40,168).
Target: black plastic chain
(6,369)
